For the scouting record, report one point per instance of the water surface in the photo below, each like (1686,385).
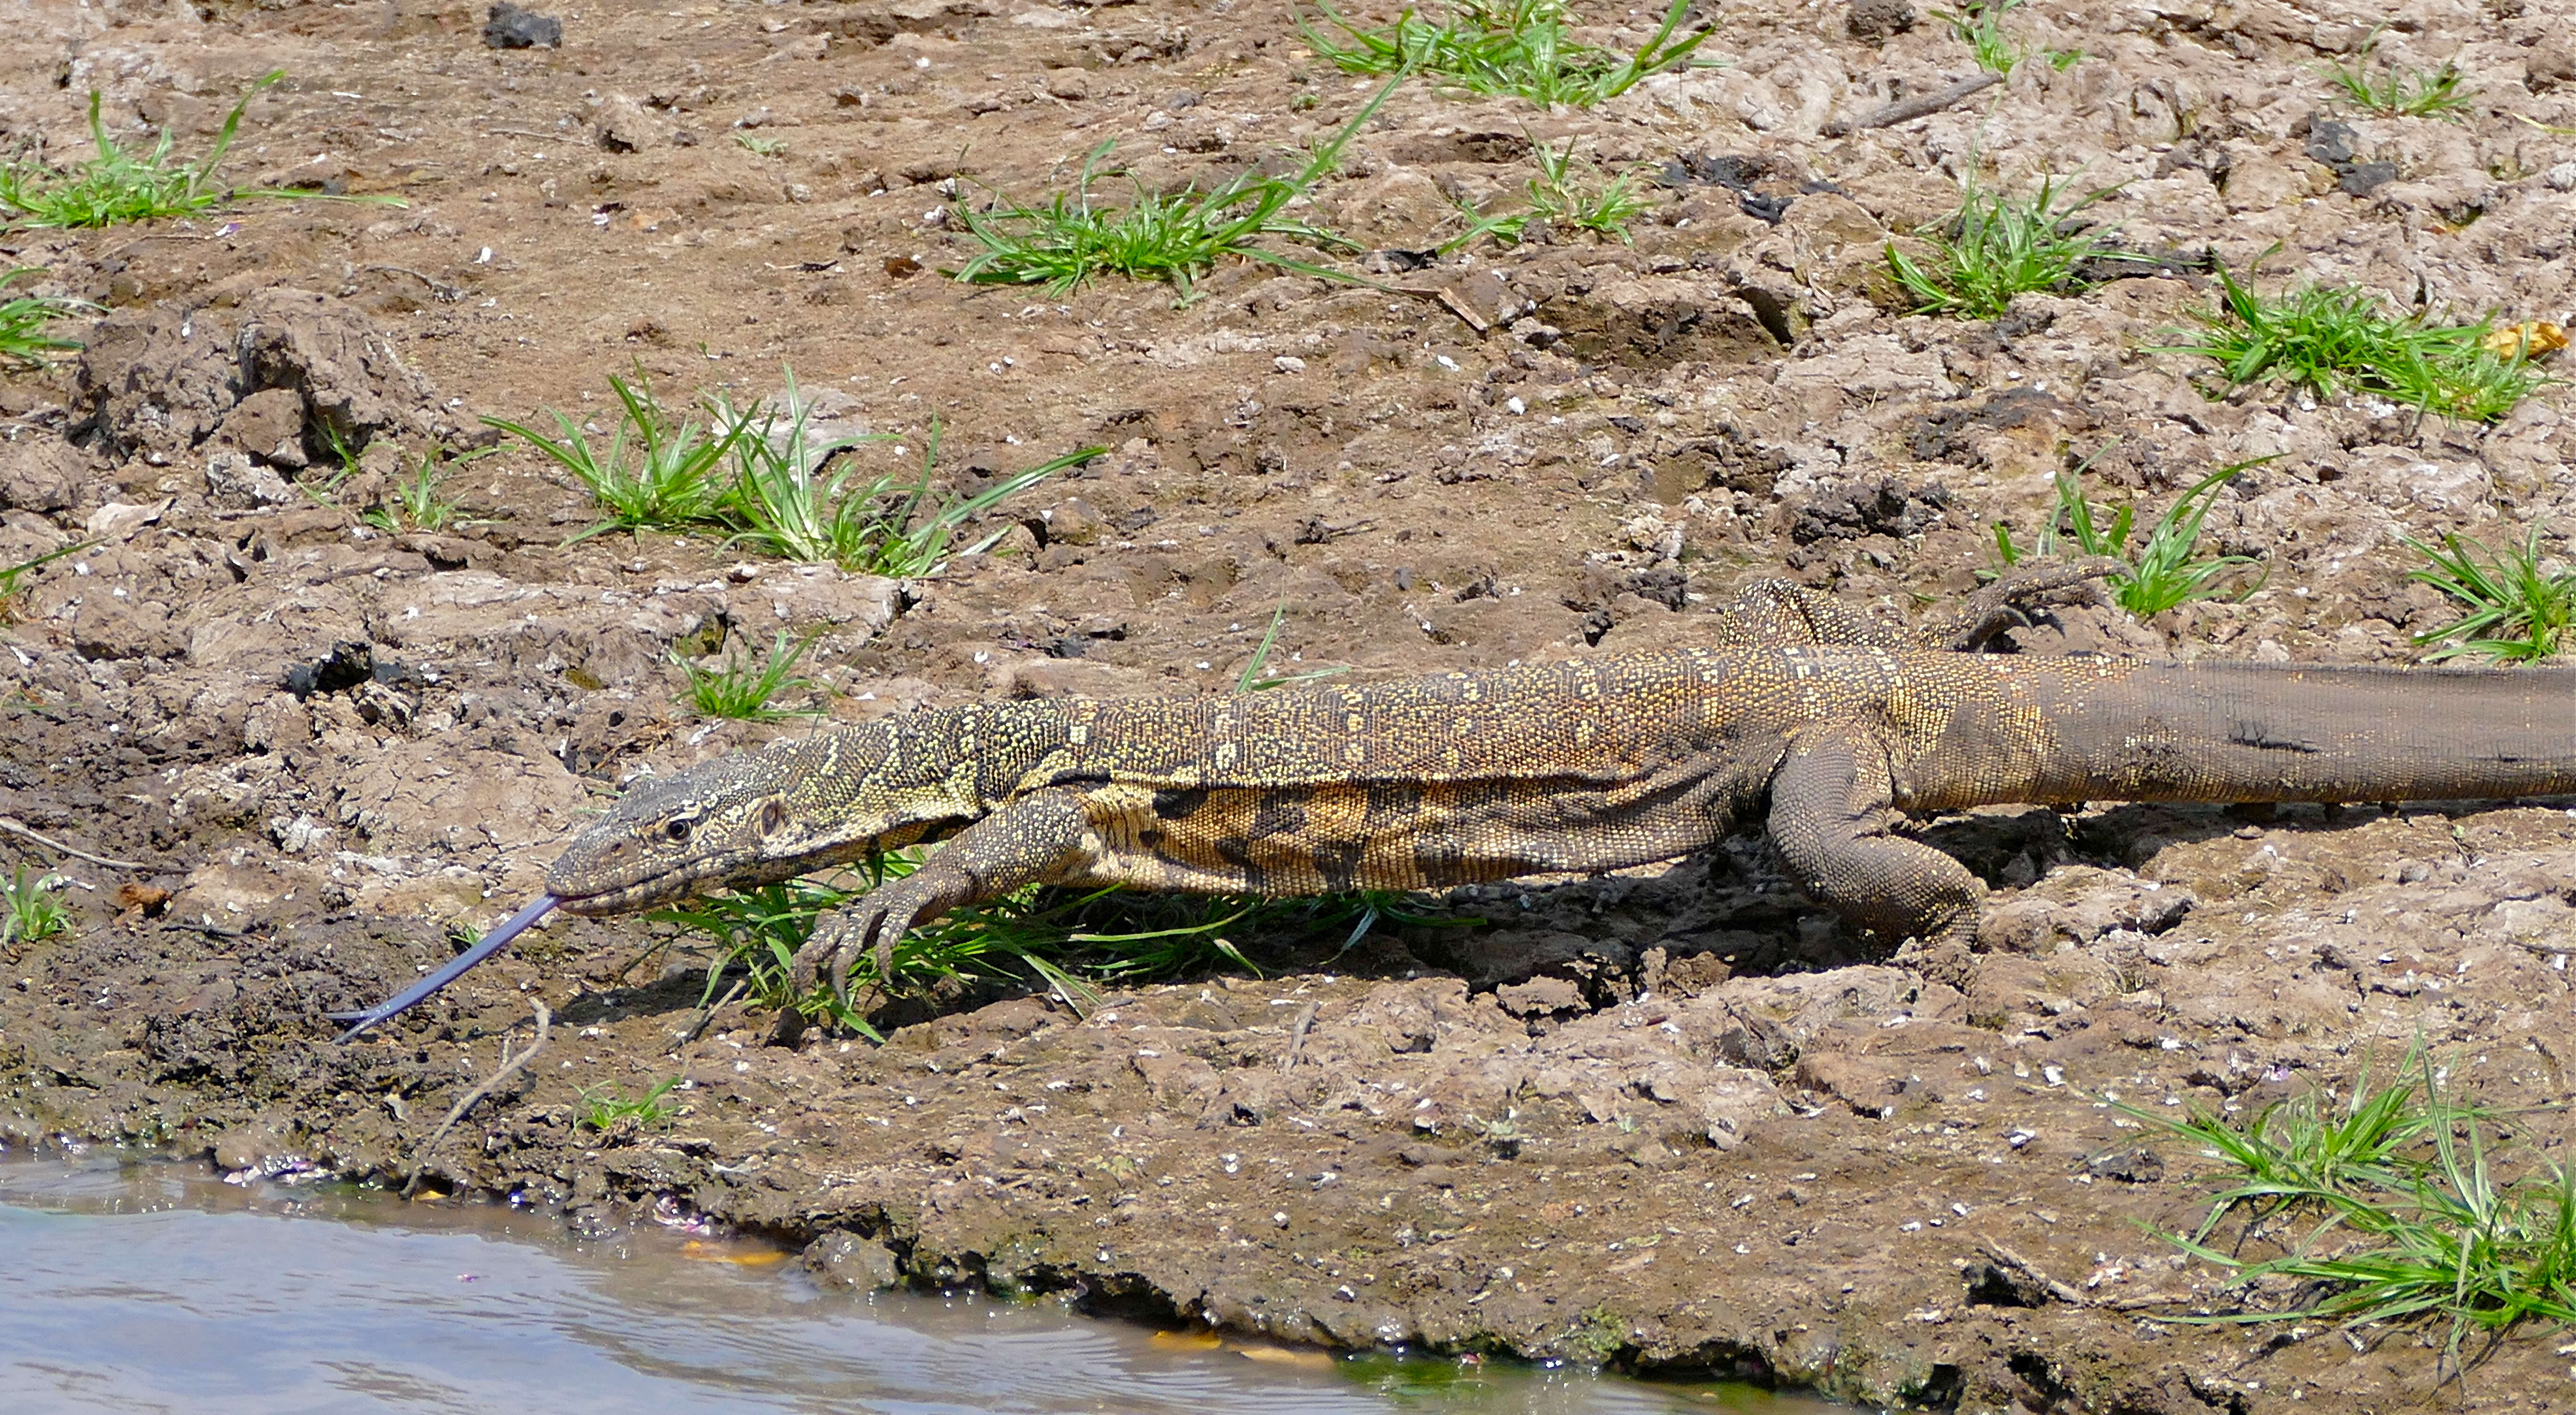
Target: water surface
(139,1288)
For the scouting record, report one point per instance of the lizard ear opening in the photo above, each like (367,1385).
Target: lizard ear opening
(773,816)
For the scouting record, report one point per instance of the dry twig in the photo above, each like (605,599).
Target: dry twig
(510,1066)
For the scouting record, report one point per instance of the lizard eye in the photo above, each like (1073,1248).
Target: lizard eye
(676,830)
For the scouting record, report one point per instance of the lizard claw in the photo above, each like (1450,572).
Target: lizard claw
(885,927)
(2002,605)
(843,940)
(879,921)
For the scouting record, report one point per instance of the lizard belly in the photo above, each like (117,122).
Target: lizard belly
(1328,837)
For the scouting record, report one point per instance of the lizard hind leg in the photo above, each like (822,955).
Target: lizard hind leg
(1785,614)
(1830,818)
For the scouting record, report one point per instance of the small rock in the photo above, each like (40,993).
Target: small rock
(2332,143)
(1878,21)
(1539,996)
(509,27)
(232,478)
(268,425)
(1068,84)
(1073,521)
(119,520)
(40,474)
(846,1262)
(2367,177)
(2129,1164)
(625,125)
(257,1146)
(2551,64)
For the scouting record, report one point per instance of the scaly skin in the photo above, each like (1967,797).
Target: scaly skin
(1805,716)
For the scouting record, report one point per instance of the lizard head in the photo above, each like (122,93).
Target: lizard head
(750,819)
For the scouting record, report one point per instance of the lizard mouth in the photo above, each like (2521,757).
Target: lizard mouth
(733,871)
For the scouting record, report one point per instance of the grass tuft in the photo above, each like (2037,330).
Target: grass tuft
(1997,247)
(418,501)
(25,319)
(1980,26)
(862,524)
(29,912)
(1061,939)
(603,1109)
(2518,612)
(2420,1209)
(2393,92)
(2162,572)
(656,473)
(2329,338)
(666,472)
(1170,236)
(1568,191)
(740,690)
(117,186)
(1519,48)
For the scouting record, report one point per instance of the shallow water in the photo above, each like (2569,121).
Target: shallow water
(136,1288)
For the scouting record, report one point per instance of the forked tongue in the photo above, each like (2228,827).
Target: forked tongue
(410,997)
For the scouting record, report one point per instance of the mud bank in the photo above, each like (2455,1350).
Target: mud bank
(1670,1119)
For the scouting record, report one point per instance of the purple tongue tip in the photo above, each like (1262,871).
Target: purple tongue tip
(490,944)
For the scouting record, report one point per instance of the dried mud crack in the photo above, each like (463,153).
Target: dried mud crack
(1668,1119)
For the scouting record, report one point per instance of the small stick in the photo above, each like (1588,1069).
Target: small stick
(2063,1292)
(19,828)
(1449,299)
(700,1025)
(1297,1031)
(510,1066)
(1915,107)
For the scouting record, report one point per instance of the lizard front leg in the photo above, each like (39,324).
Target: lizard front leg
(1032,839)
(1830,813)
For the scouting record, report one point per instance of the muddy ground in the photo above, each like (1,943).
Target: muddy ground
(1671,1119)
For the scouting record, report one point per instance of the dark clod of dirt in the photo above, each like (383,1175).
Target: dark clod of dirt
(509,27)
(1866,506)
(1761,188)
(1944,435)
(1998,1284)
(1878,21)
(1393,261)
(2332,143)
(345,667)
(2338,146)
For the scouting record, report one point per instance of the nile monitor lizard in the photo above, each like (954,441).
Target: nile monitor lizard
(1813,719)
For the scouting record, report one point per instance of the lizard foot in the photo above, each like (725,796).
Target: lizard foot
(877,922)
(2006,604)
(844,938)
